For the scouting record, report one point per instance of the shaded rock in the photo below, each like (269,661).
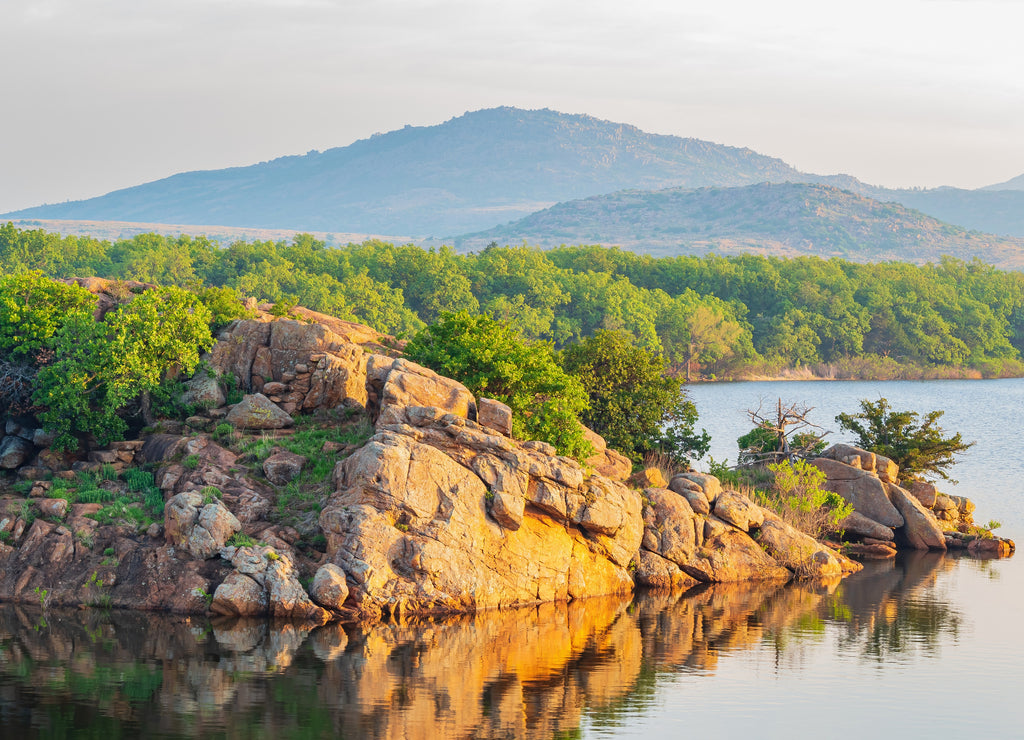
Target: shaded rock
(200,529)
(283,466)
(861,489)
(923,492)
(202,390)
(14,452)
(657,572)
(861,526)
(329,588)
(494,415)
(55,508)
(738,511)
(239,595)
(256,411)
(920,529)
(991,548)
(843,452)
(798,552)
(872,551)
(709,484)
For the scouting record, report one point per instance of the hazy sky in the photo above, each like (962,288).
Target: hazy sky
(104,94)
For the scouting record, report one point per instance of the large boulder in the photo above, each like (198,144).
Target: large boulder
(283,466)
(920,529)
(738,510)
(494,415)
(708,484)
(15,452)
(329,588)
(800,553)
(199,527)
(409,384)
(861,489)
(203,390)
(861,526)
(277,591)
(256,411)
(923,491)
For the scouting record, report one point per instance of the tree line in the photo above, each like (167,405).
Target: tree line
(707,315)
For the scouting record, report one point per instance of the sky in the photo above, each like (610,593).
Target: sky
(99,95)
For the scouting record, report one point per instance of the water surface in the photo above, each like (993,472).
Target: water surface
(927,646)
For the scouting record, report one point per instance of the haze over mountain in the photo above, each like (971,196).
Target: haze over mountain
(480,169)
(785,220)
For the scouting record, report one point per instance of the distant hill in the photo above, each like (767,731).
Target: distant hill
(1014,183)
(484,168)
(779,219)
(469,173)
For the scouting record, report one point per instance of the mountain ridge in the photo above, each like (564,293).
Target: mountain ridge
(480,169)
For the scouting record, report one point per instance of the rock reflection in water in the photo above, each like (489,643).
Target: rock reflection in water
(521,673)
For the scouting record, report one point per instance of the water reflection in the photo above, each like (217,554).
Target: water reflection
(524,673)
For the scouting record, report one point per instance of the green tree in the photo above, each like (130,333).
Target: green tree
(492,359)
(33,308)
(100,367)
(634,405)
(918,448)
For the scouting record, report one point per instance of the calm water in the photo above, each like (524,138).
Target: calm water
(924,647)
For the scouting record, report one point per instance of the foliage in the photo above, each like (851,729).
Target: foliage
(798,496)
(99,367)
(33,308)
(632,399)
(493,360)
(224,304)
(715,315)
(919,448)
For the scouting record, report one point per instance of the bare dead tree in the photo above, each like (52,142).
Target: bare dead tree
(16,381)
(786,433)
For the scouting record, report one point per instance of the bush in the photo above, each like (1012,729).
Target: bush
(634,405)
(494,360)
(797,496)
(100,367)
(918,448)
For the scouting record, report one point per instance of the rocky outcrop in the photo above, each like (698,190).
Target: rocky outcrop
(916,516)
(861,488)
(441,510)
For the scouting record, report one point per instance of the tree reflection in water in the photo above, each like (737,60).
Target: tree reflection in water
(518,673)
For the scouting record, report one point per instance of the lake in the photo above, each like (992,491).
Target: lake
(922,647)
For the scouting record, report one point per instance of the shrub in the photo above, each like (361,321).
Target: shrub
(918,448)
(633,404)
(797,496)
(493,359)
(99,367)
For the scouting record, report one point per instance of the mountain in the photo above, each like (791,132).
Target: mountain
(483,168)
(469,173)
(789,219)
(1014,183)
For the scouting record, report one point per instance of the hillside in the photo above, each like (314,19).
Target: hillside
(484,168)
(782,220)
(469,173)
